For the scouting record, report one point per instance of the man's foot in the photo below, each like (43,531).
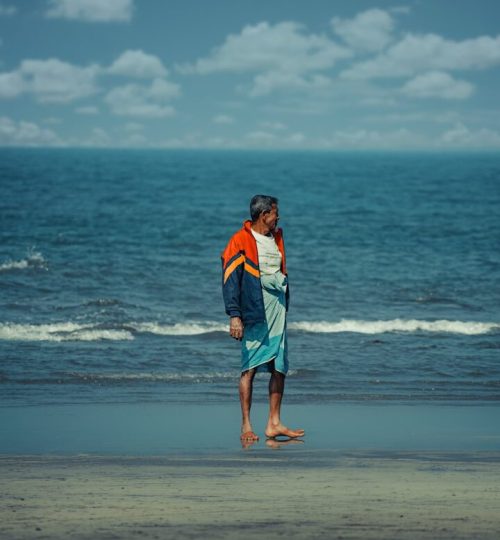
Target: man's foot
(279,430)
(249,436)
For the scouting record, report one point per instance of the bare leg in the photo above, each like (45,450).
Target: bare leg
(246,387)
(274,426)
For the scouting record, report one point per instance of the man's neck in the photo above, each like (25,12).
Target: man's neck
(260,228)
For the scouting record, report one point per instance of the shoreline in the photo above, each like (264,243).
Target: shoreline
(172,428)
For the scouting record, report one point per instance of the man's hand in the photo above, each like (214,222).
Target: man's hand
(236,328)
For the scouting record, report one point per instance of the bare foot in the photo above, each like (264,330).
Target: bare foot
(248,435)
(281,430)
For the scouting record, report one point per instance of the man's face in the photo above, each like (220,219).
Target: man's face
(272,217)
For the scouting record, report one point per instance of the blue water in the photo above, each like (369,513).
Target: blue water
(110,274)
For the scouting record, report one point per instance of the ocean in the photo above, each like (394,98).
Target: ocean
(110,275)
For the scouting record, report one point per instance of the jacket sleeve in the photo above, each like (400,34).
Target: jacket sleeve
(233,259)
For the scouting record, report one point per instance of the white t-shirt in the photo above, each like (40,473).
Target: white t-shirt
(269,254)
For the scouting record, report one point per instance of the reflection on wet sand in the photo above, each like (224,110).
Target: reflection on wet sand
(273,442)
(276,443)
(247,443)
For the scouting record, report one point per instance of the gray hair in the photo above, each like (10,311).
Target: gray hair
(261,203)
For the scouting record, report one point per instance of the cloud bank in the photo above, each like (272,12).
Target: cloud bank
(91,10)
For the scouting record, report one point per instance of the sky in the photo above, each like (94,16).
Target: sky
(260,74)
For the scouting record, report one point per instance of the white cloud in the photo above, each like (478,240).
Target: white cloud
(416,116)
(256,139)
(461,136)
(164,90)
(368,31)
(270,81)
(263,46)
(52,80)
(121,137)
(223,119)
(23,133)
(11,84)
(250,140)
(419,53)
(87,110)
(437,84)
(136,63)
(91,10)
(7,11)
(143,101)
(189,140)
(282,55)
(374,139)
(56,81)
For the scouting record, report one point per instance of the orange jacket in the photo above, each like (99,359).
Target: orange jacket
(241,287)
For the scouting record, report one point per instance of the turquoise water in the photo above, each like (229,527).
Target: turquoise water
(110,275)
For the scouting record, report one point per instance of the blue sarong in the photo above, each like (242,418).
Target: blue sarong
(266,341)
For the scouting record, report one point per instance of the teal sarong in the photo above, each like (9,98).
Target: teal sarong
(266,341)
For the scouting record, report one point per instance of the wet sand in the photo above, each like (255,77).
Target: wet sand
(177,428)
(374,471)
(260,493)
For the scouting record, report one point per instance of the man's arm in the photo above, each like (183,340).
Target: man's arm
(232,270)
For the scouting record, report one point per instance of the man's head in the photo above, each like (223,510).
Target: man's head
(264,208)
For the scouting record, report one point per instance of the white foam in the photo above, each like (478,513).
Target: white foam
(33,259)
(395,325)
(180,329)
(145,376)
(66,331)
(164,377)
(69,331)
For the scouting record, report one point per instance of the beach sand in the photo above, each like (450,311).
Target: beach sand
(282,493)
(370,471)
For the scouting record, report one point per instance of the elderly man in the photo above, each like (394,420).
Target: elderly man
(255,291)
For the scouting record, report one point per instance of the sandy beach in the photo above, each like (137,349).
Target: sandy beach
(179,471)
(259,494)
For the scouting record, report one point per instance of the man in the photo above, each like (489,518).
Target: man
(256,295)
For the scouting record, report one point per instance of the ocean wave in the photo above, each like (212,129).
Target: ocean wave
(75,377)
(468,328)
(327,327)
(69,331)
(179,329)
(33,259)
(65,331)
(155,377)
